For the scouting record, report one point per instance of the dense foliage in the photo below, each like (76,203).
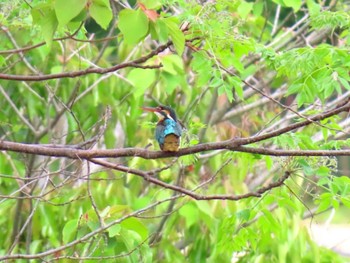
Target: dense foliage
(75,74)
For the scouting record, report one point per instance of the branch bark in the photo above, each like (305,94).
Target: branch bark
(236,144)
(134,63)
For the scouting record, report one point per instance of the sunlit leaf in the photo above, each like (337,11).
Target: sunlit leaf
(70,230)
(136,225)
(114,230)
(142,79)
(133,25)
(67,10)
(101,12)
(244,9)
(45,17)
(176,35)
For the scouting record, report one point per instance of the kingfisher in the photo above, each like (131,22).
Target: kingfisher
(168,130)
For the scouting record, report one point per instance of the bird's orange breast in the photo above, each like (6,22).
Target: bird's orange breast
(171,143)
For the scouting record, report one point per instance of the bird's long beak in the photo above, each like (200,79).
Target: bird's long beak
(149,109)
(154,110)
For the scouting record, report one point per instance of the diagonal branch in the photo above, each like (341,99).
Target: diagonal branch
(74,74)
(146,176)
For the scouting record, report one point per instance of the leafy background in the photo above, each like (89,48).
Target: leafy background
(230,69)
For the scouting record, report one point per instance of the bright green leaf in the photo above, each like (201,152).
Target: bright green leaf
(176,35)
(114,230)
(70,230)
(151,4)
(345,201)
(161,29)
(188,159)
(237,84)
(344,82)
(101,12)
(45,17)
(313,7)
(294,88)
(258,8)
(135,225)
(244,9)
(228,92)
(67,10)
(2,61)
(35,246)
(328,89)
(268,162)
(190,213)
(134,25)
(295,4)
(172,64)
(325,202)
(141,79)
(243,215)
(171,81)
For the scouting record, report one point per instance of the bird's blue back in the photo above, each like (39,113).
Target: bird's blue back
(166,127)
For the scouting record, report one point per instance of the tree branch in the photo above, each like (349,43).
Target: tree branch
(74,74)
(232,145)
(146,176)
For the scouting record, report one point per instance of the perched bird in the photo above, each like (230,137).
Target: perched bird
(169,130)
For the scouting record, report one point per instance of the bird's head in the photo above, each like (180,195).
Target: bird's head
(163,112)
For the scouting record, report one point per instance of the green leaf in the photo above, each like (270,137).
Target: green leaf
(76,21)
(69,230)
(344,82)
(301,99)
(258,8)
(35,246)
(268,162)
(295,4)
(161,30)
(313,7)
(243,215)
(101,12)
(172,64)
(2,61)
(134,25)
(152,4)
(294,88)
(323,171)
(335,203)
(44,16)
(141,79)
(237,84)
(228,91)
(135,225)
(172,81)
(67,10)
(176,35)
(190,213)
(345,201)
(188,159)
(105,212)
(114,230)
(325,202)
(328,89)
(244,9)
